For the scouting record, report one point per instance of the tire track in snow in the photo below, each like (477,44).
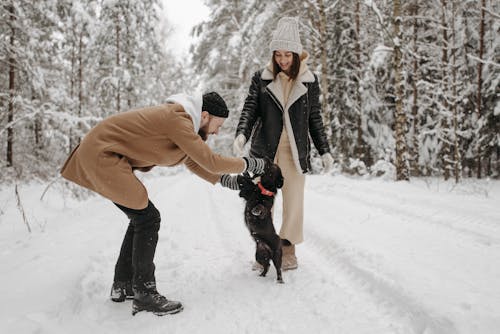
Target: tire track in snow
(406,209)
(193,220)
(405,311)
(209,273)
(310,308)
(421,198)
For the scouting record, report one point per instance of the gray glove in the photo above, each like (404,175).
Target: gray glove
(230,181)
(255,165)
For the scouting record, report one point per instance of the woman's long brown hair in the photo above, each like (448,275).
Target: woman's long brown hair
(294,69)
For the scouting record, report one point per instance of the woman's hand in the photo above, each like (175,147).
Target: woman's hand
(238,145)
(327,162)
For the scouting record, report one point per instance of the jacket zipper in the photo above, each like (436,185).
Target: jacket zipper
(275,100)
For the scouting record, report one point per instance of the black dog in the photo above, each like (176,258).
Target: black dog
(258,218)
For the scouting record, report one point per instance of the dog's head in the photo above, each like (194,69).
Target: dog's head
(272,179)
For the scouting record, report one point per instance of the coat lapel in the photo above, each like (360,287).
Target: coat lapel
(298,89)
(277,90)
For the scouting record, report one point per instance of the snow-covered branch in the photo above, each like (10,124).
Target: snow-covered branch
(373,6)
(18,120)
(495,15)
(332,6)
(485,62)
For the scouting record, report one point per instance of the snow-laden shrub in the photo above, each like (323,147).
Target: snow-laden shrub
(384,169)
(356,167)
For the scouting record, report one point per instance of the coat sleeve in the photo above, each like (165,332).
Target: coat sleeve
(181,132)
(250,111)
(316,127)
(201,172)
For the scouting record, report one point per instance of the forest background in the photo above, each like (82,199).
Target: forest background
(411,86)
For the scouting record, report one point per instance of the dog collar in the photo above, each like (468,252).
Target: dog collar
(264,191)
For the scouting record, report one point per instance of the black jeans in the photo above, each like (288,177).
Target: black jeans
(135,262)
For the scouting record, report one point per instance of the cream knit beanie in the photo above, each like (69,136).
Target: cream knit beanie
(286,36)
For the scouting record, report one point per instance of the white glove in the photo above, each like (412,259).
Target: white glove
(327,162)
(238,145)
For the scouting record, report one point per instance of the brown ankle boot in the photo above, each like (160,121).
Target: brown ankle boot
(289,260)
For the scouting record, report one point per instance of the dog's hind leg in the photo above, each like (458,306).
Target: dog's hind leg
(262,255)
(277,265)
(265,270)
(277,259)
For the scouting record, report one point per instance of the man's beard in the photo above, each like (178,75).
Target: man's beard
(203,134)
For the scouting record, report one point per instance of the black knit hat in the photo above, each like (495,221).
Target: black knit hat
(215,105)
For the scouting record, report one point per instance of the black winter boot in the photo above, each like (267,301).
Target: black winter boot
(152,301)
(121,291)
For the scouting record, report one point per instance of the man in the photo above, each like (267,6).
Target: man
(165,135)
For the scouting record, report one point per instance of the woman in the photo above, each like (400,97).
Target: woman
(281,111)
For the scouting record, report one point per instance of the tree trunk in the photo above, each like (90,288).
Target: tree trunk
(80,81)
(327,119)
(480,83)
(37,129)
(468,49)
(72,84)
(360,153)
(314,44)
(12,87)
(128,55)
(400,116)
(80,73)
(445,126)
(117,62)
(414,149)
(457,166)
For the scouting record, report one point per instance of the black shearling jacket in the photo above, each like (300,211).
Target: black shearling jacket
(263,115)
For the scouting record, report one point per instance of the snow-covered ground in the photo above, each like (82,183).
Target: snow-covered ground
(379,257)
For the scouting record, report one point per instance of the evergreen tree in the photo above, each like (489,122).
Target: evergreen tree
(59,62)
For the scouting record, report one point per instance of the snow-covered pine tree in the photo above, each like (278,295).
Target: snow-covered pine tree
(439,64)
(32,86)
(57,75)
(345,71)
(76,22)
(377,85)
(230,47)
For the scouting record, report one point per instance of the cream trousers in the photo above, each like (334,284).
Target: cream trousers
(292,193)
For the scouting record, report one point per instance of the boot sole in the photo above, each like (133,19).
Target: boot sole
(121,300)
(136,309)
(289,268)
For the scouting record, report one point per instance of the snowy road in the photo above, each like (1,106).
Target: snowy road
(379,257)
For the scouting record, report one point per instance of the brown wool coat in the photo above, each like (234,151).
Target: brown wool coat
(140,139)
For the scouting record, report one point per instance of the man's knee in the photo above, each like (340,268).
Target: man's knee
(148,218)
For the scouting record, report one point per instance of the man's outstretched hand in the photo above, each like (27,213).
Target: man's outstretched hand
(235,182)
